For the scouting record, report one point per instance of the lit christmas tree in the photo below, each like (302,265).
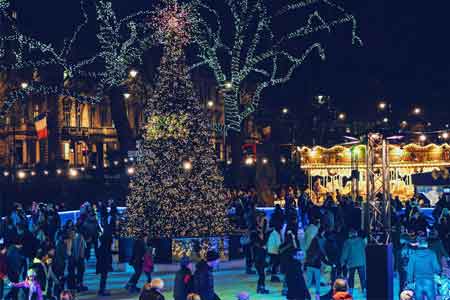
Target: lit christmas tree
(176,190)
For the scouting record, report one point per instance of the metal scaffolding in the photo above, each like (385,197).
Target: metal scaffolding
(377,214)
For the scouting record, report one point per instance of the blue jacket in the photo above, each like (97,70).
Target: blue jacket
(354,253)
(422,264)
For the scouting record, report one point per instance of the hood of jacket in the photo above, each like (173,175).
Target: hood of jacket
(342,296)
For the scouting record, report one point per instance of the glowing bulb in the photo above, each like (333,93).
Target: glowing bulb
(382,105)
(116,163)
(283,160)
(133,73)
(33,173)
(422,138)
(265,161)
(342,116)
(249,161)
(187,165)
(21,175)
(94,167)
(285,110)
(385,120)
(24,85)
(210,104)
(130,171)
(45,172)
(59,171)
(417,111)
(6,173)
(127,95)
(404,124)
(228,85)
(229,162)
(445,135)
(73,172)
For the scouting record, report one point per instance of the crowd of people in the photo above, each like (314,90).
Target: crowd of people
(305,248)
(327,244)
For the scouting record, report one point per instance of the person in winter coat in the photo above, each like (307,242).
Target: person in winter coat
(354,257)
(340,290)
(153,290)
(104,263)
(40,268)
(277,217)
(295,281)
(184,284)
(3,270)
(203,276)
(287,249)
(148,264)
(34,291)
(273,248)
(59,263)
(15,262)
(76,266)
(310,233)
(422,267)
(260,254)
(137,261)
(314,258)
(91,230)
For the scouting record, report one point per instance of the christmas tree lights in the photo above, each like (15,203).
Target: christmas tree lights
(253,54)
(176,189)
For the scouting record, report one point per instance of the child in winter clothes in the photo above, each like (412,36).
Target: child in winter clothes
(32,285)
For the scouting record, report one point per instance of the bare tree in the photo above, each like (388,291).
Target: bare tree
(247,52)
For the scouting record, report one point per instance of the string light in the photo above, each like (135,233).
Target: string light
(21,175)
(73,172)
(166,198)
(249,50)
(265,161)
(285,110)
(445,135)
(422,138)
(342,116)
(121,44)
(130,171)
(210,104)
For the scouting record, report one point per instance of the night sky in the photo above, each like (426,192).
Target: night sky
(404,60)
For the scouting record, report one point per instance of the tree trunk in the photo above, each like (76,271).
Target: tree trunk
(119,115)
(235,139)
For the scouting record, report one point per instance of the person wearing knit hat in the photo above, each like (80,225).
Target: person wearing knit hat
(184,284)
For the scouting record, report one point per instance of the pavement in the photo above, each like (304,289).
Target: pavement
(229,279)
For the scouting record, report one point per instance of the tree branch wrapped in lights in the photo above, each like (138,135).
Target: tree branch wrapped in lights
(253,53)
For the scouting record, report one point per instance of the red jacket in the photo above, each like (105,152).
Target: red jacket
(342,296)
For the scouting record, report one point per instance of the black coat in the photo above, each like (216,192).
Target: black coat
(104,257)
(204,281)
(151,294)
(296,282)
(184,284)
(15,261)
(137,256)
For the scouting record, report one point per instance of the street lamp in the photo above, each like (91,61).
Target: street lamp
(422,138)
(265,161)
(249,161)
(285,110)
(385,120)
(130,171)
(24,85)
(382,105)
(210,104)
(73,172)
(342,116)
(404,124)
(283,160)
(187,165)
(133,73)
(417,111)
(21,175)
(127,95)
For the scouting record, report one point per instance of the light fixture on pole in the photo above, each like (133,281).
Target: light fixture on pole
(342,116)
(285,110)
(382,105)
(133,73)
(417,111)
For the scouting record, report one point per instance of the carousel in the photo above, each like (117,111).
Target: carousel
(342,169)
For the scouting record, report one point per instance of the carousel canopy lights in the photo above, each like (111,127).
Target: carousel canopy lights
(445,135)
(422,138)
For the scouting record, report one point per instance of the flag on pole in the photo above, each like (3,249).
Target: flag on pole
(40,122)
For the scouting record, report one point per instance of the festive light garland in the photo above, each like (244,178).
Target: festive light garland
(243,61)
(122,43)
